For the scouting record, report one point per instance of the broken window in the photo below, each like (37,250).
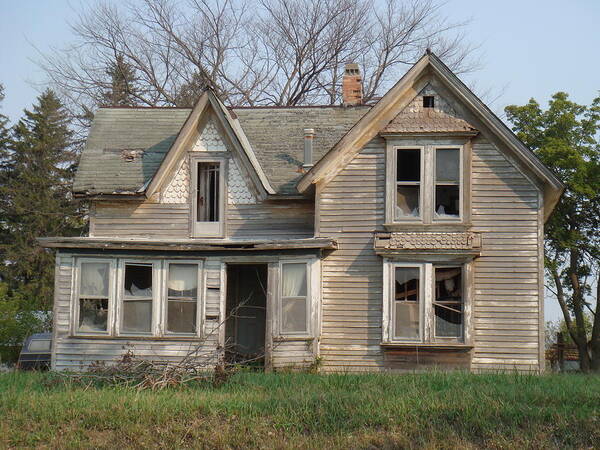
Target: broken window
(137,299)
(182,298)
(447,183)
(294,298)
(93,297)
(448,302)
(423,302)
(408,183)
(406,303)
(208,192)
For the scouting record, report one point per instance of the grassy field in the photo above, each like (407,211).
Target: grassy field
(433,410)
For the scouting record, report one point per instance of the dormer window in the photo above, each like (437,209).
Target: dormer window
(208,189)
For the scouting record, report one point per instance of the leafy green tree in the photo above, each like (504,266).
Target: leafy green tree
(565,138)
(123,84)
(35,200)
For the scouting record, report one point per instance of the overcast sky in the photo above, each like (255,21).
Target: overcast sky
(530,48)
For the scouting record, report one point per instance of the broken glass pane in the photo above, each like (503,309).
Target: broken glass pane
(407,201)
(294,280)
(94,279)
(183,280)
(137,316)
(448,302)
(447,165)
(447,201)
(181,316)
(293,315)
(408,165)
(138,280)
(407,284)
(93,314)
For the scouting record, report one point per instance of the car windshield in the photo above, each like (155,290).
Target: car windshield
(39,345)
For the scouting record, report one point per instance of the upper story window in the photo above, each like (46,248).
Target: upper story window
(408,183)
(424,184)
(208,188)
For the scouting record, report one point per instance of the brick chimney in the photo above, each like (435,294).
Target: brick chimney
(352,93)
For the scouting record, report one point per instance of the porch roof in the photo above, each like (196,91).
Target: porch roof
(186,244)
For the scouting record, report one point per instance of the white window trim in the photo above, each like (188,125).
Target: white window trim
(392,182)
(463,270)
(156,290)
(311,277)
(200,303)
(207,229)
(461,184)
(426,307)
(427,185)
(74,325)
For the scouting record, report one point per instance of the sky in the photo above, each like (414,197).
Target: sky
(529,48)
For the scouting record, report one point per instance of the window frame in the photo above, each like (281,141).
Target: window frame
(392,302)
(200,296)
(308,304)
(427,309)
(156,289)
(460,338)
(208,229)
(392,184)
(434,184)
(75,303)
(428,148)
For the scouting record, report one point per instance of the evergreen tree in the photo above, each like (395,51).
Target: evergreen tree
(36,201)
(5,142)
(123,80)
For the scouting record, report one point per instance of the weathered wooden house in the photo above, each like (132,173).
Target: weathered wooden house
(403,235)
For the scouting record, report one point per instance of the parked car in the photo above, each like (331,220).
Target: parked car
(35,354)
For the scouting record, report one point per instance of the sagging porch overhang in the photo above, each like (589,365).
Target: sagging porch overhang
(187,245)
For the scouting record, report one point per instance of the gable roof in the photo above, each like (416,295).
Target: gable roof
(126,146)
(397,98)
(416,119)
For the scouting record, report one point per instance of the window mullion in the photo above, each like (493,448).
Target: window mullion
(428,184)
(428,286)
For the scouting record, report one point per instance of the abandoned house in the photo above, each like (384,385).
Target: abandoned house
(402,235)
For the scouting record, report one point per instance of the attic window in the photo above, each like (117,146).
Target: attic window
(428,101)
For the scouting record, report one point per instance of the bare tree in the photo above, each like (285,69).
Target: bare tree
(262,52)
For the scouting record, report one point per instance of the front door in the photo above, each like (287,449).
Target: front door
(246,313)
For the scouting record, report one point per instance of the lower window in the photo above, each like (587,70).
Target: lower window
(137,299)
(424,302)
(182,298)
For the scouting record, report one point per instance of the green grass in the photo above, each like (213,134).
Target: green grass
(432,410)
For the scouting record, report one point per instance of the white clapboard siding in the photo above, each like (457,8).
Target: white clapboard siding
(351,208)
(506,307)
(284,220)
(506,298)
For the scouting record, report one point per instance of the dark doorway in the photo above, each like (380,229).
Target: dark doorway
(246,313)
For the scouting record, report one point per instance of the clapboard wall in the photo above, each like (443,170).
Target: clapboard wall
(268,220)
(506,301)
